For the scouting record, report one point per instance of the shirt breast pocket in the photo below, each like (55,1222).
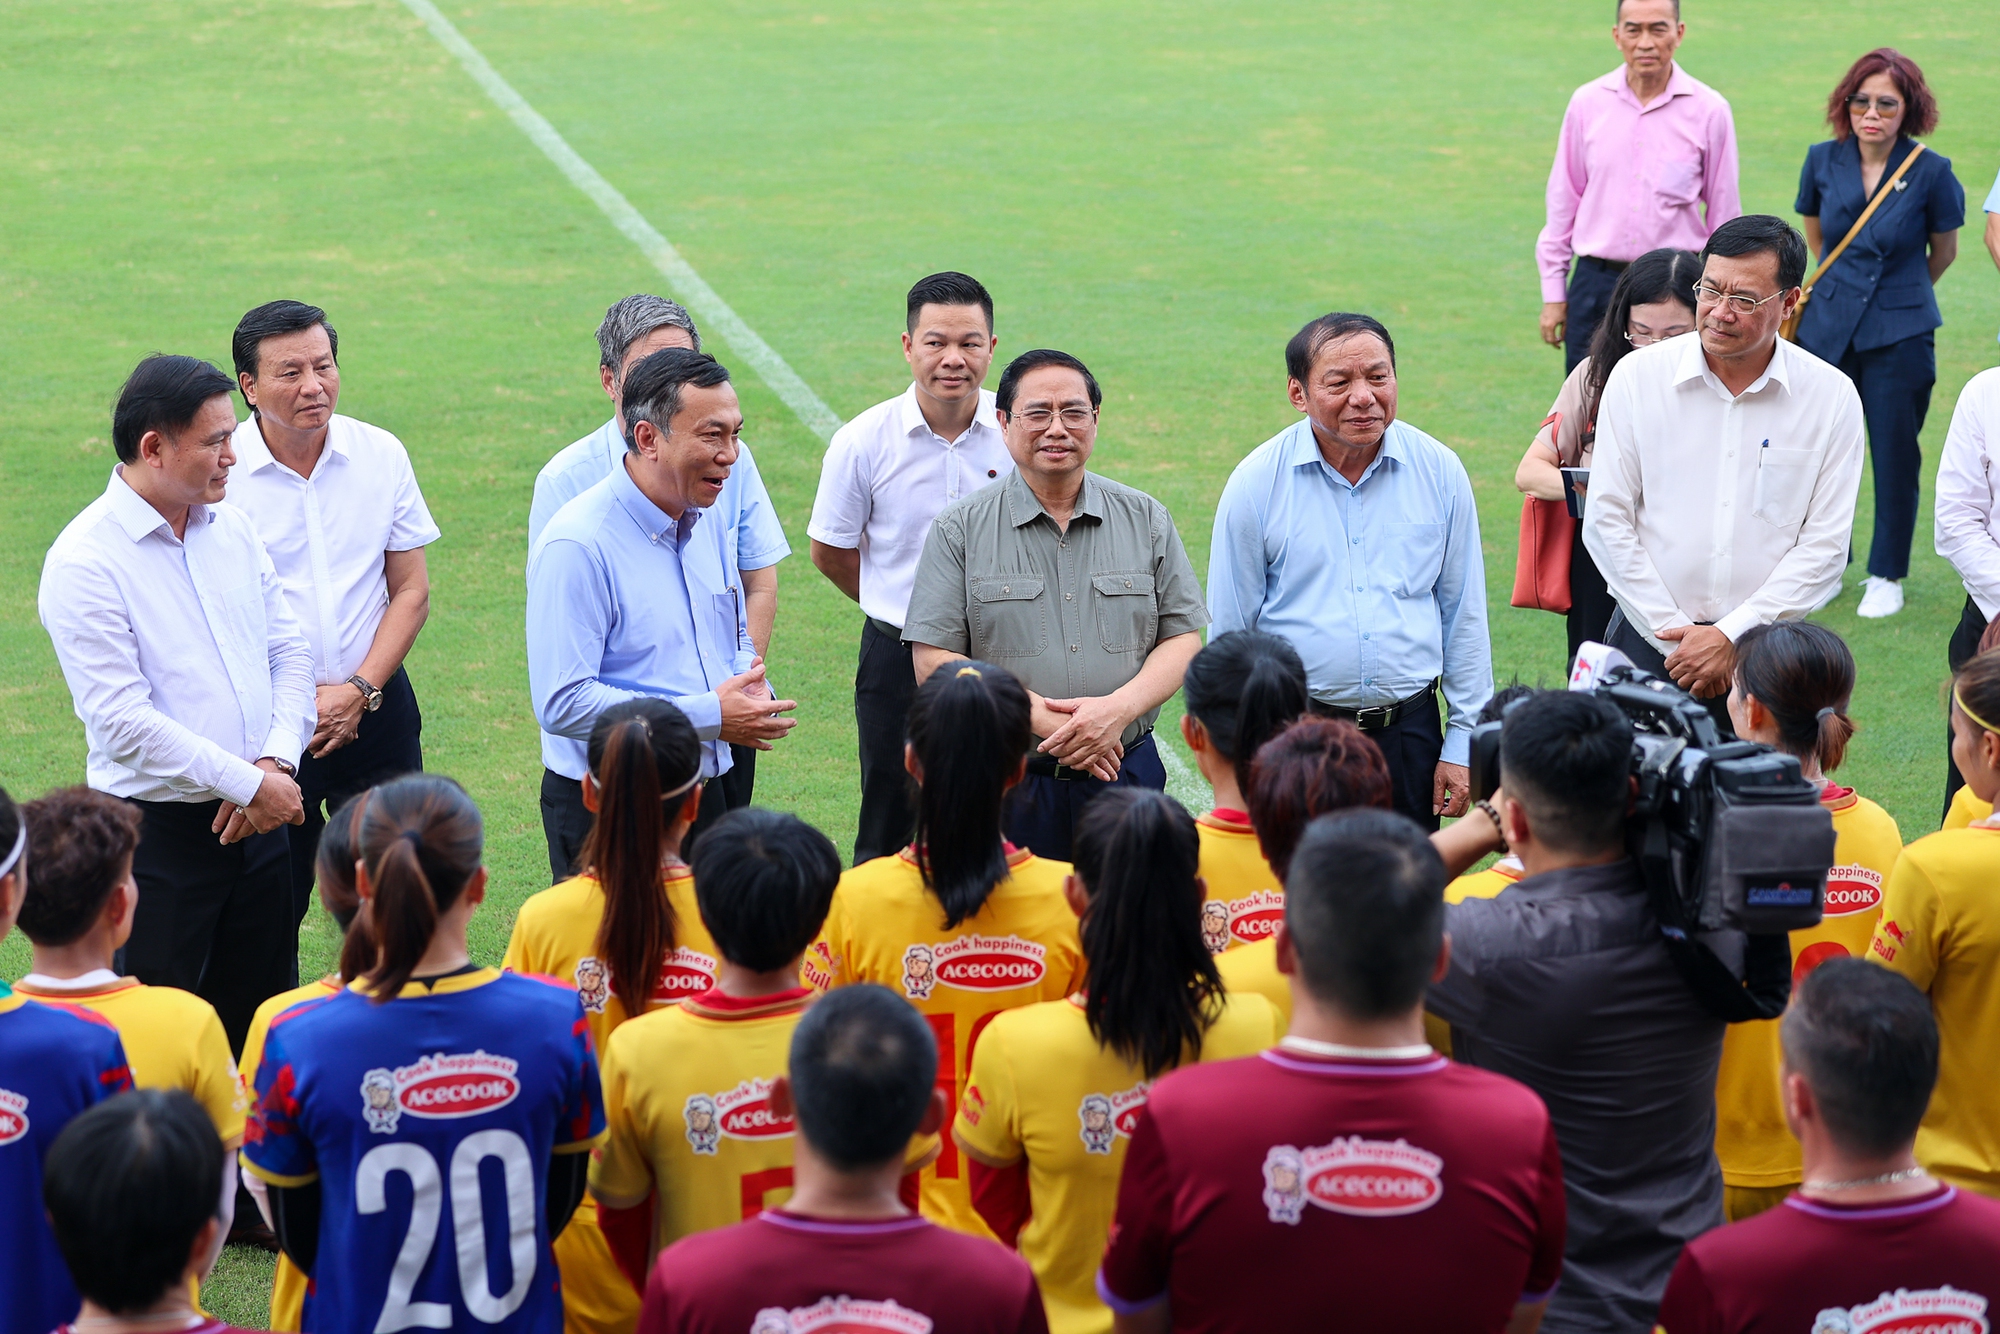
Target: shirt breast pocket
(1128,615)
(1010,618)
(1410,558)
(724,608)
(1784,485)
(1679,181)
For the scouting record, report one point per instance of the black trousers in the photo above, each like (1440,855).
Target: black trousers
(213,920)
(1895,387)
(566,820)
(1964,644)
(1412,747)
(1040,814)
(1627,640)
(1590,284)
(388,744)
(1590,601)
(885,683)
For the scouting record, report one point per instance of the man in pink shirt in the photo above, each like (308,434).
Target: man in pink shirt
(1646,158)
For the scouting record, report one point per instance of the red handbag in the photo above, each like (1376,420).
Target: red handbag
(1541,563)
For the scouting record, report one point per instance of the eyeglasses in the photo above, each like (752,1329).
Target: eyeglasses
(1646,339)
(1738,301)
(1860,102)
(1073,419)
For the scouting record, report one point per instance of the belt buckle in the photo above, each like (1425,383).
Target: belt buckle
(1374,718)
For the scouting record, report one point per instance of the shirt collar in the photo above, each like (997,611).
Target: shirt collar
(653,521)
(1304,449)
(1023,508)
(910,417)
(1694,366)
(1679,84)
(253,452)
(136,515)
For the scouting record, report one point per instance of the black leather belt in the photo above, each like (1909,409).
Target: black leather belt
(1608,265)
(1045,766)
(887,630)
(1379,716)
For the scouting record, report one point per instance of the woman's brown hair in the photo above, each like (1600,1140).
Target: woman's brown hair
(645,759)
(421,840)
(1314,766)
(1804,674)
(1920,108)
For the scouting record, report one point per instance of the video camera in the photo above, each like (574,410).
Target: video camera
(1729,835)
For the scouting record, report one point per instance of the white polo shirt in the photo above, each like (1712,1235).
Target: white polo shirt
(1968,521)
(182,654)
(1730,510)
(326,533)
(887,475)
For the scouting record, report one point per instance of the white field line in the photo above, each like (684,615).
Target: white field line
(685,284)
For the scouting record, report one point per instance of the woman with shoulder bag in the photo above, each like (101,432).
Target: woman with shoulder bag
(1652,302)
(1891,211)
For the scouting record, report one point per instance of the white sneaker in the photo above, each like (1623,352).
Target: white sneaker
(1879,598)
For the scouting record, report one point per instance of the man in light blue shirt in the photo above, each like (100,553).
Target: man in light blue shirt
(1354,536)
(629,594)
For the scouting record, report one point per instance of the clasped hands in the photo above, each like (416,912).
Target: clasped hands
(277,802)
(1705,661)
(1082,733)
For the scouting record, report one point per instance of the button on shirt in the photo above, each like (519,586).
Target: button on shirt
(327,533)
(1719,510)
(1629,178)
(1968,521)
(1073,614)
(887,474)
(625,602)
(182,656)
(1379,584)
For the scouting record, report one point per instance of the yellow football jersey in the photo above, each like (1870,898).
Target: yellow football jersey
(1484,884)
(1751,1140)
(687,1095)
(1245,902)
(1042,1087)
(1019,948)
(1254,970)
(288,1285)
(1965,809)
(1939,929)
(174,1041)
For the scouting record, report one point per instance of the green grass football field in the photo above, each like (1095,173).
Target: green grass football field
(1167,190)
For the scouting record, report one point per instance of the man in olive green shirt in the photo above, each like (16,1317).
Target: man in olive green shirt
(1077,585)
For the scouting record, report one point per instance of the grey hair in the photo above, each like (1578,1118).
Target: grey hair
(627,321)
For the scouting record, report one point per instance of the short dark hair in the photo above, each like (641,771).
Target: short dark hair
(128,1185)
(1365,908)
(1866,1041)
(763,880)
(1010,379)
(863,1064)
(949,288)
(1309,341)
(163,393)
(652,391)
(1920,108)
(1314,766)
(268,321)
(1761,233)
(1618,11)
(78,843)
(1566,755)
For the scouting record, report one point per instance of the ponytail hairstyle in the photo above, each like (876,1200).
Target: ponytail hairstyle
(421,838)
(646,759)
(1804,674)
(1154,989)
(333,869)
(969,728)
(1243,688)
(1314,766)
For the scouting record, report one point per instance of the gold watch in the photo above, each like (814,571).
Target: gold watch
(371,698)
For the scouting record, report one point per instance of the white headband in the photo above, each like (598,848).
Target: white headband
(664,796)
(20,845)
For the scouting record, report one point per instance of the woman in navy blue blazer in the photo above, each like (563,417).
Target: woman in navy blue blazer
(1874,314)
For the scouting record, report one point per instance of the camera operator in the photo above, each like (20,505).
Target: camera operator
(1563,982)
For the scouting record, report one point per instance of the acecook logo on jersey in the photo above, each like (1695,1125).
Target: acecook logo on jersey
(437,1087)
(1851,890)
(973,963)
(1108,1117)
(743,1112)
(841,1315)
(13,1116)
(1256,916)
(1370,1178)
(683,973)
(1945,1310)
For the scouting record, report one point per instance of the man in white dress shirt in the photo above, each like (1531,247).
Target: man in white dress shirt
(195,687)
(1968,521)
(887,475)
(752,538)
(1727,463)
(337,505)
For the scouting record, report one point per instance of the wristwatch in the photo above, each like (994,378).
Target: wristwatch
(285,767)
(371,698)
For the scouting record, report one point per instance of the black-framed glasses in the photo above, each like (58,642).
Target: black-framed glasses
(1740,302)
(1073,419)
(1886,106)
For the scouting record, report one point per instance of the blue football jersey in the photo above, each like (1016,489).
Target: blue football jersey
(429,1122)
(55,1061)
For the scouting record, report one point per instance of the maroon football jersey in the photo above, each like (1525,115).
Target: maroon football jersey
(1287,1192)
(780,1273)
(1928,1265)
